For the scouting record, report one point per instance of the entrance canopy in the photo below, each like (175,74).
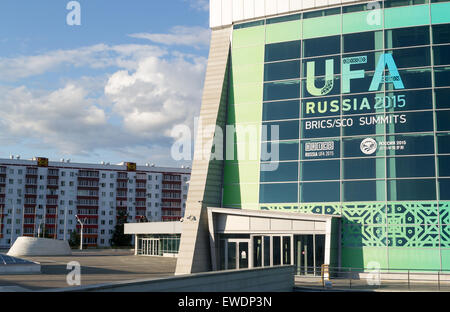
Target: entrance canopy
(250,238)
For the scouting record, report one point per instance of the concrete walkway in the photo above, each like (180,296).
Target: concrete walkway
(97,266)
(305,283)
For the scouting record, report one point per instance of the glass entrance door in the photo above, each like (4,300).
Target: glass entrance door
(236,254)
(309,253)
(150,247)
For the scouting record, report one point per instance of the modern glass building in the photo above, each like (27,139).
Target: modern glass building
(355,97)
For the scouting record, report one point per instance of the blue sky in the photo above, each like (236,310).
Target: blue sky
(110,89)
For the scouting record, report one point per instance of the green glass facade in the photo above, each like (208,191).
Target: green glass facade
(361,101)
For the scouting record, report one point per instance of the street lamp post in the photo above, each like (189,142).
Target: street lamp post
(81,236)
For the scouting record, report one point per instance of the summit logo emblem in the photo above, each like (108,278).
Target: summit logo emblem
(385,60)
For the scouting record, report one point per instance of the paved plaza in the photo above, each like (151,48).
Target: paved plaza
(97,267)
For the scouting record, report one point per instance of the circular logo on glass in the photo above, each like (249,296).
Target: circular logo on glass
(368,146)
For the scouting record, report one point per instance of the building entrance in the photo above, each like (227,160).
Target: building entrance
(150,247)
(235,254)
(309,254)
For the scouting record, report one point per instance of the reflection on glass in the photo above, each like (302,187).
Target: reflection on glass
(266,251)
(282,51)
(257,251)
(278,193)
(231,256)
(372,190)
(409,189)
(286,250)
(276,250)
(410,167)
(316,192)
(407,37)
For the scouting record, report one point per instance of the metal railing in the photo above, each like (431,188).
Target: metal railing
(372,278)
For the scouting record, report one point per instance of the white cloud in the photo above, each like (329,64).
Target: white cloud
(201,5)
(132,109)
(158,95)
(96,56)
(180,35)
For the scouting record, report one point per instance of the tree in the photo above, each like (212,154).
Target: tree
(119,238)
(74,239)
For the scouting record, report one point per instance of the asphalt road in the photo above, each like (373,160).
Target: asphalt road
(97,267)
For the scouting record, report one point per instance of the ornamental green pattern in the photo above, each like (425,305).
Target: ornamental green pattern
(328,209)
(397,224)
(364,213)
(364,236)
(413,236)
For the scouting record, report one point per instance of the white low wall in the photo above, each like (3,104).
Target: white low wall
(270,279)
(13,269)
(32,246)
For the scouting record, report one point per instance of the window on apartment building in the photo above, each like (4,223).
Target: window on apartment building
(70,202)
(103,175)
(18,231)
(156,187)
(41,196)
(103,184)
(102,231)
(149,204)
(149,186)
(63,193)
(149,195)
(19,192)
(130,199)
(71,174)
(11,181)
(111,175)
(156,214)
(63,173)
(19,201)
(17,221)
(70,221)
(10,191)
(61,221)
(102,222)
(156,178)
(130,191)
(110,213)
(61,202)
(40,206)
(63,183)
(111,185)
(71,183)
(41,187)
(110,231)
(156,195)
(70,212)
(102,241)
(156,204)
(8,221)
(103,212)
(110,222)
(20,171)
(11,171)
(103,194)
(41,177)
(111,194)
(61,232)
(19,181)
(103,203)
